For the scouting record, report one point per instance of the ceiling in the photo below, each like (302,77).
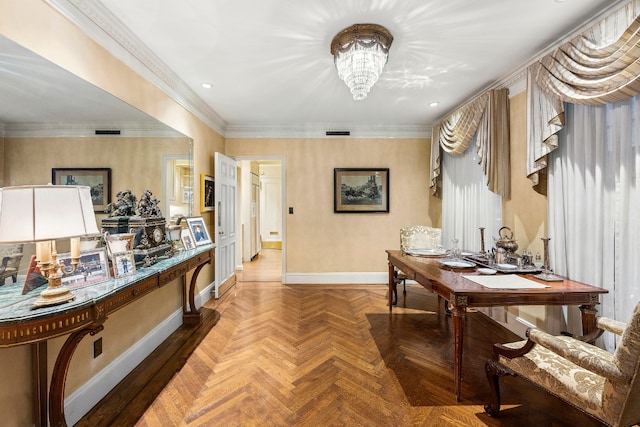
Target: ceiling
(269,64)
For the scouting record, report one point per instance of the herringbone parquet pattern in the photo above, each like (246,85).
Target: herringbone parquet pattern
(306,355)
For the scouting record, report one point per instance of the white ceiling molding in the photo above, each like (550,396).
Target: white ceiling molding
(320,131)
(81,130)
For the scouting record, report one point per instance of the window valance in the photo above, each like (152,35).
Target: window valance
(488,117)
(599,66)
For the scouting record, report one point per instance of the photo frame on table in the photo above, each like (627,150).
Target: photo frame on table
(98,179)
(187,239)
(207,193)
(198,231)
(361,190)
(119,242)
(93,268)
(123,263)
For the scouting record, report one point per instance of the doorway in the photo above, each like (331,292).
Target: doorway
(261,219)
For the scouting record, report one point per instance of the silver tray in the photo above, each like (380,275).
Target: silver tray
(484,262)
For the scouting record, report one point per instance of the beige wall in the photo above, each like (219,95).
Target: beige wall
(319,240)
(526,212)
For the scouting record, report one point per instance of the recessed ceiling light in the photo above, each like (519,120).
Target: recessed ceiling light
(433,104)
(206,85)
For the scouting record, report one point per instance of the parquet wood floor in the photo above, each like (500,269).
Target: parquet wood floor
(311,355)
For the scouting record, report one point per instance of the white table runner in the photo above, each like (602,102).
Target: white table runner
(508,281)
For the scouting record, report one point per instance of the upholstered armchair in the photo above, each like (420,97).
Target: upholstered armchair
(602,384)
(415,237)
(10,255)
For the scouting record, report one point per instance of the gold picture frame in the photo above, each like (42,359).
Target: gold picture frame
(207,193)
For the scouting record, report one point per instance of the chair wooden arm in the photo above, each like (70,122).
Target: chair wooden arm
(510,352)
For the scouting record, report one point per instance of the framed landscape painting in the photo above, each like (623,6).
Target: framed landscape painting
(98,179)
(360,190)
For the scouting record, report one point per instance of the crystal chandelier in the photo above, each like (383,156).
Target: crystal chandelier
(360,53)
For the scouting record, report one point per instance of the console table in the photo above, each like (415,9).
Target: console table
(462,293)
(20,324)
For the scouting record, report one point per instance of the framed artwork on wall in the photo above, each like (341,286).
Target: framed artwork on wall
(360,190)
(207,193)
(98,179)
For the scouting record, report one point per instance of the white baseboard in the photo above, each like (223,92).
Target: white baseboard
(346,278)
(90,393)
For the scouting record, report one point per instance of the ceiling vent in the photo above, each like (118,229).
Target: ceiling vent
(107,132)
(338,133)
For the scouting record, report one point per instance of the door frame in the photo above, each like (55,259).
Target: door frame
(283,212)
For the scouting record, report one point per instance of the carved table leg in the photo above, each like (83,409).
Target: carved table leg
(458,313)
(59,375)
(589,313)
(40,392)
(193,316)
(392,287)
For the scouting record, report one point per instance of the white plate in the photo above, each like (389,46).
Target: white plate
(457,264)
(426,252)
(506,266)
(486,271)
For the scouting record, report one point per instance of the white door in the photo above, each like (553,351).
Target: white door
(226,183)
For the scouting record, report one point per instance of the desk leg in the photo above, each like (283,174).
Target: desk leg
(391,285)
(589,313)
(458,329)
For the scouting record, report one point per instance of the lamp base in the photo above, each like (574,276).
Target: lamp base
(54,296)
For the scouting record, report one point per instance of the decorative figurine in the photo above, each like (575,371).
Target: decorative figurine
(148,206)
(125,205)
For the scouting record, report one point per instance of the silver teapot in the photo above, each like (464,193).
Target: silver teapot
(505,240)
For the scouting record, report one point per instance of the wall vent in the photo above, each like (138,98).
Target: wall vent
(107,132)
(338,133)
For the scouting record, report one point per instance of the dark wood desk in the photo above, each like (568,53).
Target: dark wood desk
(20,324)
(462,293)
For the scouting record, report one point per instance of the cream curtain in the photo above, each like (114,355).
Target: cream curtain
(597,67)
(594,200)
(487,118)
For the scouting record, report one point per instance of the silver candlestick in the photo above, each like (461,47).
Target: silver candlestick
(546,274)
(482,252)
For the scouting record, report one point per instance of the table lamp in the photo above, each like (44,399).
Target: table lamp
(42,214)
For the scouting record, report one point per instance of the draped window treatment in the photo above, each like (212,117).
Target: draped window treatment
(486,118)
(599,66)
(467,203)
(594,204)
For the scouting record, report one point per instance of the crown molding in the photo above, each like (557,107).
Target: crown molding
(81,130)
(320,131)
(98,23)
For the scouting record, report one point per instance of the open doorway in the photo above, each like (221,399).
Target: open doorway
(261,219)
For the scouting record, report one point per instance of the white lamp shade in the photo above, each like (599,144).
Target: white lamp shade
(45,212)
